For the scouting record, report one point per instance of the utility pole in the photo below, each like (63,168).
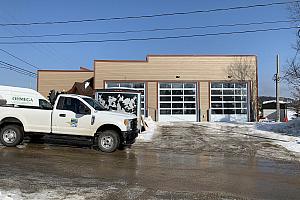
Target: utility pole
(277,91)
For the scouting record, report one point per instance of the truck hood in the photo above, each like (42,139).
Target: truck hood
(115,114)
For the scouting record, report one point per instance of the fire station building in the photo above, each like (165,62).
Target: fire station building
(173,87)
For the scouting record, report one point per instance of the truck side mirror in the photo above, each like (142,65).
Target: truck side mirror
(84,110)
(87,111)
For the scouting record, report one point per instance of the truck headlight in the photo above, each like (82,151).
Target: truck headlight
(127,123)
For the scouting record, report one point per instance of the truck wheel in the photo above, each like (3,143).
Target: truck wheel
(11,135)
(108,141)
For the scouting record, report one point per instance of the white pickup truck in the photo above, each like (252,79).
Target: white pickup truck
(25,111)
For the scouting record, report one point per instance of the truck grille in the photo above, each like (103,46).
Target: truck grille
(134,124)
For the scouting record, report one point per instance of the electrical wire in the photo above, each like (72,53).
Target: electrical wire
(148,30)
(20,59)
(17,69)
(150,38)
(149,16)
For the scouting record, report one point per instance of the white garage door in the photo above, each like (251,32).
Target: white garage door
(229,102)
(177,101)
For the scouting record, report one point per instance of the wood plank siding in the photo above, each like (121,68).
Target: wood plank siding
(204,100)
(60,80)
(152,100)
(166,68)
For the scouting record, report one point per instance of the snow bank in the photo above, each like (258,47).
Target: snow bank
(148,135)
(293,146)
(290,128)
(286,134)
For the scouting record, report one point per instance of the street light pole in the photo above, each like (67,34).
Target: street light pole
(277,91)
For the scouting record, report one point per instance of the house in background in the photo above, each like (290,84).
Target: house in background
(173,87)
(269,110)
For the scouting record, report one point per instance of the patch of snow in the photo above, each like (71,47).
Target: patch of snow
(148,134)
(285,134)
(291,127)
(293,146)
(291,114)
(10,195)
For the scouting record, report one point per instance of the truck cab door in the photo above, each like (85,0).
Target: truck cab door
(72,117)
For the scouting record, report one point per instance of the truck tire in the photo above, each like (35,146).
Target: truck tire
(11,135)
(108,141)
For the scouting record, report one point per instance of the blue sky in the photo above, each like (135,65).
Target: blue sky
(72,56)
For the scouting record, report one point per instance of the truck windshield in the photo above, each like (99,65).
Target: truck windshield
(95,104)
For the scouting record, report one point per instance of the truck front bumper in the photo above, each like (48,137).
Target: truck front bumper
(129,136)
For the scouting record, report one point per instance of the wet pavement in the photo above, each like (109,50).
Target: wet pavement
(182,162)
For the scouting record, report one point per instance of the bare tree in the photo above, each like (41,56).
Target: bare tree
(243,69)
(291,73)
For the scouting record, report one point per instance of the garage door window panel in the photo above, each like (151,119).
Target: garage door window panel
(189,105)
(165,105)
(177,105)
(216,92)
(189,92)
(228,98)
(177,92)
(190,98)
(177,111)
(165,112)
(177,98)
(165,98)
(177,85)
(165,85)
(190,111)
(189,85)
(165,92)
(228,92)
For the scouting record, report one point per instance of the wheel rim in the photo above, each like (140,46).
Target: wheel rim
(107,142)
(9,136)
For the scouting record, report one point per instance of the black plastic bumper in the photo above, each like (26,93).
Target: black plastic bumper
(129,136)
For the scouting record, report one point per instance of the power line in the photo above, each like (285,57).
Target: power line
(17,69)
(148,30)
(20,59)
(149,16)
(40,49)
(151,38)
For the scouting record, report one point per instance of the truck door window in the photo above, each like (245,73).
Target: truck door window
(72,104)
(43,104)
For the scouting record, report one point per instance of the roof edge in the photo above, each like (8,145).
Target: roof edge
(180,55)
(81,69)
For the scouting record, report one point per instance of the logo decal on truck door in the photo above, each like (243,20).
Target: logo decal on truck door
(73,122)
